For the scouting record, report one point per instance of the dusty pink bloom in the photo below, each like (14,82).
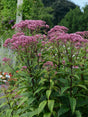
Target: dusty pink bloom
(76,67)
(43,43)
(3,63)
(78,44)
(55,65)
(55,72)
(3,86)
(47,26)
(48,63)
(6,59)
(39,54)
(30,24)
(21,42)
(84,34)
(63,62)
(57,30)
(44,36)
(24,67)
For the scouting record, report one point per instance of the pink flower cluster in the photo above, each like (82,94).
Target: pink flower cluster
(20,41)
(39,54)
(84,34)
(6,59)
(57,30)
(24,68)
(31,24)
(48,63)
(58,33)
(67,37)
(55,36)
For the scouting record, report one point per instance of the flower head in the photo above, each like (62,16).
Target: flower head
(6,59)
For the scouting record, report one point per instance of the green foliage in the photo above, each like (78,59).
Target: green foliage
(7,14)
(60,8)
(76,20)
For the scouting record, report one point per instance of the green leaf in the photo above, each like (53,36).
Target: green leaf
(82,102)
(3,104)
(47,115)
(48,92)
(78,114)
(15,115)
(27,114)
(51,83)
(8,112)
(3,97)
(77,77)
(72,104)
(22,101)
(42,81)
(63,110)
(63,89)
(50,105)
(30,100)
(11,103)
(41,106)
(82,86)
(39,89)
(62,80)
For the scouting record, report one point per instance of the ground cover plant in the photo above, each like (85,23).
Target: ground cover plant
(51,72)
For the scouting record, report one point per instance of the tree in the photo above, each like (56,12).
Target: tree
(85,18)
(48,3)
(31,9)
(76,20)
(34,9)
(60,8)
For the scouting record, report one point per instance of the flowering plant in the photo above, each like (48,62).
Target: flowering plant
(52,80)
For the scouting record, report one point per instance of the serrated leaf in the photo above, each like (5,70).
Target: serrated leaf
(63,110)
(41,106)
(63,89)
(51,105)
(47,115)
(78,114)
(48,93)
(72,104)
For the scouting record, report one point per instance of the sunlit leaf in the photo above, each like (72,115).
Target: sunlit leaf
(51,105)
(48,92)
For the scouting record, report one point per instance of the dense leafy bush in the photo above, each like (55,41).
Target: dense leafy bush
(33,9)
(52,72)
